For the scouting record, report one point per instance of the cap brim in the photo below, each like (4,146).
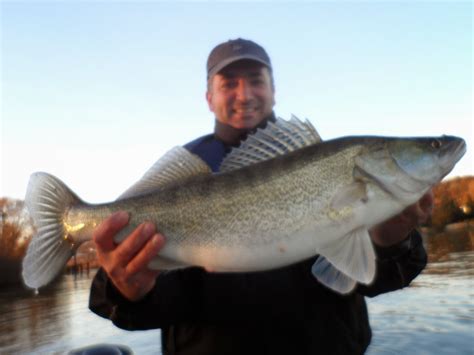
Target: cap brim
(231,60)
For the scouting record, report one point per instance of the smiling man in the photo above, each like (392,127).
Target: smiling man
(282,311)
(240,93)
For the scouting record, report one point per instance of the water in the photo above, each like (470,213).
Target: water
(433,316)
(57,320)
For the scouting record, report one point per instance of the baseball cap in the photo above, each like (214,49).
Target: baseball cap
(233,50)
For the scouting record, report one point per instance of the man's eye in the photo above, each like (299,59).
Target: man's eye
(228,85)
(257,82)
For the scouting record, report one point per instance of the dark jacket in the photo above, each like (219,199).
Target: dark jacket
(283,311)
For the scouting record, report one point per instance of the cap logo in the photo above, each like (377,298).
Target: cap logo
(236,47)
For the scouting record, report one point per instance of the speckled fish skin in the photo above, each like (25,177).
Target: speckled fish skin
(275,212)
(254,208)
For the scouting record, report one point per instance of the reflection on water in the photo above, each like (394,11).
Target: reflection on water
(58,320)
(433,316)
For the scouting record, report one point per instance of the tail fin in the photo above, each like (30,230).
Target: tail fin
(47,200)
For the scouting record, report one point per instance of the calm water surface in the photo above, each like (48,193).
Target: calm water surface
(58,319)
(433,316)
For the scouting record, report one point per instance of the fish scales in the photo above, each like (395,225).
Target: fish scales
(250,207)
(257,213)
(260,201)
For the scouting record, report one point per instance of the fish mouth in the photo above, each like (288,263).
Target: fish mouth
(460,150)
(452,152)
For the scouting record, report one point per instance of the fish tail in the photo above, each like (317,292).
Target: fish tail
(47,200)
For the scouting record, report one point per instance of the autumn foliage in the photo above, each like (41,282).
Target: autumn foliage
(16,229)
(453,202)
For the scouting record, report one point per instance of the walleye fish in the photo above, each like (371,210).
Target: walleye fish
(281,197)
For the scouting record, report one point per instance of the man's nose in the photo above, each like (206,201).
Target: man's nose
(244,90)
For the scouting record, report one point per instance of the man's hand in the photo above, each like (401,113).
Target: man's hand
(126,263)
(397,228)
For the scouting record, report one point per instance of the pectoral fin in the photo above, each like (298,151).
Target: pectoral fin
(352,257)
(349,195)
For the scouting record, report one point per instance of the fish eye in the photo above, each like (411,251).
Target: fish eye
(436,144)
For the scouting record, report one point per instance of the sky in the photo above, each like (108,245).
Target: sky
(95,92)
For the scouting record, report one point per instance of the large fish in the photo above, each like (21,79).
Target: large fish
(279,198)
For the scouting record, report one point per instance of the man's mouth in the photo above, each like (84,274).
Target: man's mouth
(245,111)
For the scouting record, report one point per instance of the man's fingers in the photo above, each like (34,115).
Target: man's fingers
(134,242)
(419,212)
(104,233)
(427,202)
(142,259)
(397,228)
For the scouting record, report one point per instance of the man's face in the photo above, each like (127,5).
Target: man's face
(241,95)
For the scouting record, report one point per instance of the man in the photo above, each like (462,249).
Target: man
(283,311)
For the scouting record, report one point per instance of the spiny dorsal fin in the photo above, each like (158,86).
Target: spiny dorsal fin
(278,138)
(176,166)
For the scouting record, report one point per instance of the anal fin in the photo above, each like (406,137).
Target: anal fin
(349,260)
(328,275)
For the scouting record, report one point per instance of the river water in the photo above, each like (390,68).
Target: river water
(435,315)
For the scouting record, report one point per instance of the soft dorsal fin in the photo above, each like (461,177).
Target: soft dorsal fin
(277,138)
(177,165)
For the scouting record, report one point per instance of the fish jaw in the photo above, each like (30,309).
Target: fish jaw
(427,159)
(407,168)
(451,151)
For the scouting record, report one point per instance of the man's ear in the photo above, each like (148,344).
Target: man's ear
(209,100)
